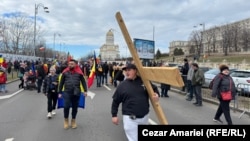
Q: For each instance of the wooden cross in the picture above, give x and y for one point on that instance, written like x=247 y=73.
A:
x=167 y=75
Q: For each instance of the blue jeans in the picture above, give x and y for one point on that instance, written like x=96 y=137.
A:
x=105 y=78
x=190 y=89
x=3 y=87
x=98 y=80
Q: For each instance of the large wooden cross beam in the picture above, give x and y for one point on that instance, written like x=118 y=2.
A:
x=167 y=75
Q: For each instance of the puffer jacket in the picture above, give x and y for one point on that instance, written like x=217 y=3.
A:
x=47 y=83
x=71 y=82
x=222 y=84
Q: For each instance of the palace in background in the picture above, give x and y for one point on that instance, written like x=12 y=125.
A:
x=233 y=37
x=109 y=51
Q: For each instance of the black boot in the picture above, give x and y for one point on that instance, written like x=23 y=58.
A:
x=195 y=103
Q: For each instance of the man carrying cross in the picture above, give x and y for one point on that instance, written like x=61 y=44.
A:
x=135 y=102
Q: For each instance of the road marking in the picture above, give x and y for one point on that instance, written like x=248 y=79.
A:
x=150 y=121
x=91 y=94
x=9 y=96
x=9 y=139
x=107 y=87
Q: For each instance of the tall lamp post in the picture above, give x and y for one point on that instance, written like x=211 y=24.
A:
x=36 y=12
x=55 y=34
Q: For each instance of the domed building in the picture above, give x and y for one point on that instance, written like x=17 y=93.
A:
x=109 y=51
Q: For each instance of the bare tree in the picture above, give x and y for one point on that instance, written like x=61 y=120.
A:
x=208 y=37
x=245 y=39
x=227 y=39
x=18 y=26
x=18 y=33
x=235 y=30
x=196 y=42
x=4 y=37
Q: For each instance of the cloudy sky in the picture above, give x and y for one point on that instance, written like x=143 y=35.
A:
x=83 y=24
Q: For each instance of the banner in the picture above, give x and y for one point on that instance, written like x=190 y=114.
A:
x=145 y=48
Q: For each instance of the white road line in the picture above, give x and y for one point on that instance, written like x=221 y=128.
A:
x=150 y=121
x=91 y=94
x=9 y=139
x=107 y=87
x=9 y=96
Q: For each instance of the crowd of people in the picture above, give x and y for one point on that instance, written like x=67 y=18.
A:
x=193 y=78
x=68 y=80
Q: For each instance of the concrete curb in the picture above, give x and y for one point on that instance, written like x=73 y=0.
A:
x=8 y=82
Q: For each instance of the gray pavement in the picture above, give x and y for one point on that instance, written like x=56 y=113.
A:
x=23 y=116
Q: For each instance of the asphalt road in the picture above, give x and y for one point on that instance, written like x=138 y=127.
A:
x=23 y=116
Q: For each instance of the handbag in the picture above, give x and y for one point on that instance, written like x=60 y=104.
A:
x=227 y=95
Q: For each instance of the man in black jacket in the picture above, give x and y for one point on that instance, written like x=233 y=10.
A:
x=40 y=76
x=71 y=81
x=184 y=72
x=135 y=102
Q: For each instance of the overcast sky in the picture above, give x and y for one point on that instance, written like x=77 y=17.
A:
x=83 y=24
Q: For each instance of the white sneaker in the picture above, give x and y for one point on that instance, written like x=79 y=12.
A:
x=53 y=112
x=49 y=115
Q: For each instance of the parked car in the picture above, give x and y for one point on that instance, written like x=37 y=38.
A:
x=210 y=74
x=241 y=79
x=205 y=69
x=174 y=65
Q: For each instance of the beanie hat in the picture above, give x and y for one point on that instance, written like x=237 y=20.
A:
x=223 y=67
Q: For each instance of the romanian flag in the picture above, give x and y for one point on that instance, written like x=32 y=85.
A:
x=92 y=73
x=42 y=48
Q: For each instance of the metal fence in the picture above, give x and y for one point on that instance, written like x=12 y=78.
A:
x=243 y=98
x=241 y=103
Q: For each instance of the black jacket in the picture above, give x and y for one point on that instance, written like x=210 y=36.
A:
x=71 y=82
x=134 y=98
x=221 y=83
x=47 y=83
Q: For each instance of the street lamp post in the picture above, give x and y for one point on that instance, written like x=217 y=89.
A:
x=55 y=34
x=202 y=36
x=36 y=12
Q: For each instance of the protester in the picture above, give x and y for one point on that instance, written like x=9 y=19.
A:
x=198 y=80
x=105 y=73
x=223 y=82
x=99 y=74
x=50 y=87
x=21 y=72
x=190 y=89
x=71 y=83
x=184 y=72
x=164 y=90
x=135 y=102
x=41 y=73
x=3 y=79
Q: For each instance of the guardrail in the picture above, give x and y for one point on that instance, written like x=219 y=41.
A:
x=240 y=104
x=243 y=97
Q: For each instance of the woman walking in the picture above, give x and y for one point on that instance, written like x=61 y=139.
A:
x=50 y=86
x=223 y=82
